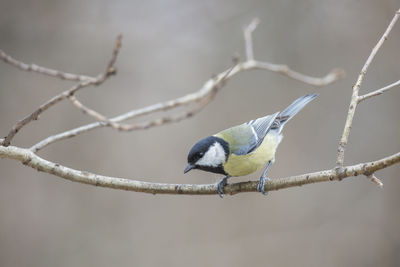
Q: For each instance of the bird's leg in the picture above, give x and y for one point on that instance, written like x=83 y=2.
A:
x=263 y=179
x=221 y=184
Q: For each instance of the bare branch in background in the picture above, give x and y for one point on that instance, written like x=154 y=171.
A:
x=110 y=70
x=378 y=92
x=197 y=97
x=35 y=115
x=331 y=77
x=248 y=38
x=355 y=99
x=43 y=70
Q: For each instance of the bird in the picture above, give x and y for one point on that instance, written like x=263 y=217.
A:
x=245 y=148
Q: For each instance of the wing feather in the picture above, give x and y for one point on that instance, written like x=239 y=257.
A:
x=261 y=127
x=245 y=138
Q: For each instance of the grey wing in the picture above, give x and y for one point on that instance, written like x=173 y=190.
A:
x=259 y=127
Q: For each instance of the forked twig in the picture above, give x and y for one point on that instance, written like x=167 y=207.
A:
x=97 y=81
x=355 y=99
x=378 y=92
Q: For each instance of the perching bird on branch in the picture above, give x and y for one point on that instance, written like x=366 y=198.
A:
x=245 y=148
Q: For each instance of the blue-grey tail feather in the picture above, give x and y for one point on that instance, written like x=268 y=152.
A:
x=292 y=110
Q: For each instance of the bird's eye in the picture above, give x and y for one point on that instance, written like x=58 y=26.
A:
x=199 y=155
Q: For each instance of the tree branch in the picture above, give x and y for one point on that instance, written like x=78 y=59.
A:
x=375 y=180
x=27 y=157
x=378 y=92
x=248 y=38
x=35 y=115
x=332 y=76
x=43 y=70
x=110 y=70
x=355 y=98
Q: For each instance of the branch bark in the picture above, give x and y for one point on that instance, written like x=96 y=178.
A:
x=355 y=99
x=43 y=70
x=378 y=92
x=28 y=158
x=110 y=70
x=248 y=38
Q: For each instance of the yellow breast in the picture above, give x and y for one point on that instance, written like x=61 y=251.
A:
x=240 y=165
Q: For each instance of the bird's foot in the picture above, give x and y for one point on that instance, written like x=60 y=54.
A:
x=261 y=183
x=220 y=186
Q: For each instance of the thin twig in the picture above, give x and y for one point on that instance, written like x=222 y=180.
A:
x=110 y=69
x=248 y=38
x=92 y=113
x=136 y=126
x=355 y=98
x=30 y=159
x=35 y=115
x=378 y=92
x=332 y=76
x=43 y=70
x=375 y=180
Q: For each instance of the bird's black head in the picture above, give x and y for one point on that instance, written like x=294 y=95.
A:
x=209 y=154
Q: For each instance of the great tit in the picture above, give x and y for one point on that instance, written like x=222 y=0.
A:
x=244 y=148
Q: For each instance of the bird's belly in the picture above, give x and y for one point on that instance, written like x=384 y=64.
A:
x=240 y=165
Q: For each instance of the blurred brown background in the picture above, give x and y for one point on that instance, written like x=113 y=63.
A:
x=170 y=48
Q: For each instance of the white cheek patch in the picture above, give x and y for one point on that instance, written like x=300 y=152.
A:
x=214 y=156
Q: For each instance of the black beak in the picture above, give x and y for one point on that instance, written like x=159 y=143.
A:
x=188 y=168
